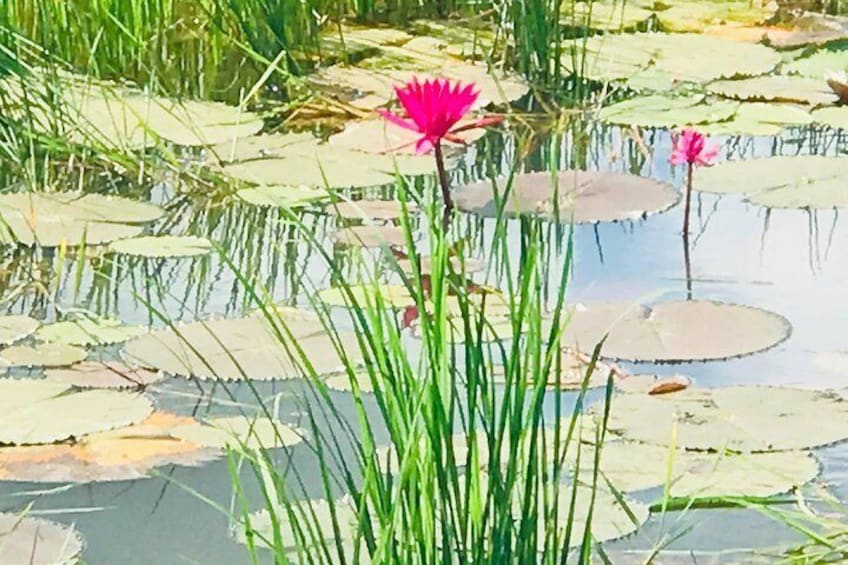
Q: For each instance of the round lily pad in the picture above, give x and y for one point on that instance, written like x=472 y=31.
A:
x=254 y=433
x=370 y=236
x=123 y=454
x=370 y=209
x=675 y=331
x=235 y=349
x=573 y=368
x=695 y=15
x=668 y=58
x=320 y=523
x=665 y=111
x=633 y=466
x=88 y=331
x=16 y=327
x=579 y=196
x=35 y=541
x=801 y=181
x=94 y=374
x=392 y=295
x=163 y=246
x=760 y=118
x=43 y=355
x=776 y=88
x=37 y=411
x=606 y=15
x=282 y=196
x=53 y=219
x=609 y=518
x=738 y=418
x=834 y=116
x=818 y=64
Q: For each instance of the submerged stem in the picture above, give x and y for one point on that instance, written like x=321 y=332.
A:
x=443 y=181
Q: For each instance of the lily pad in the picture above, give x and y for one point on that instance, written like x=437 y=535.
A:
x=380 y=136
x=579 y=196
x=739 y=418
x=37 y=411
x=16 y=327
x=606 y=15
x=777 y=37
x=93 y=374
x=86 y=331
x=817 y=65
x=370 y=209
x=674 y=331
x=660 y=111
x=465 y=265
x=370 y=236
x=392 y=295
x=574 y=366
x=344 y=383
x=162 y=246
x=760 y=118
x=254 y=433
x=282 y=196
x=670 y=58
x=633 y=466
x=610 y=519
x=122 y=454
x=835 y=117
x=695 y=15
x=33 y=541
x=53 y=219
x=43 y=355
x=800 y=181
x=249 y=347
x=814 y=92
x=319 y=521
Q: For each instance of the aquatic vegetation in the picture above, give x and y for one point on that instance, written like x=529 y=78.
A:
x=86 y=330
x=97 y=374
x=37 y=541
x=691 y=149
x=163 y=246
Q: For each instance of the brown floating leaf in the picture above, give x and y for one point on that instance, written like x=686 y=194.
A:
x=584 y=196
x=34 y=541
x=123 y=454
x=651 y=384
x=93 y=374
x=675 y=331
x=370 y=236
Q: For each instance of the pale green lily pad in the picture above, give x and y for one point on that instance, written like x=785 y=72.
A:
x=739 y=418
x=633 y=466
x=163 y=246
x=248 y=347
x=817 y=65
x=391 y=295
x=578 y=196
x=814 y=92
x=674 y=331
x=38 y=411
x=16 y=327
x=801 y=181
x=343 y=382
x=53 y=219
x=678 y=58
x=282 y=196
x=609 y=518
x=695 y=15
x=573 y=369
x=834 y=116
x=43 y=355
x=658 y=111
x=605 y=15
x=370 y=209
x=370 y=236
x=381 y=136
x=35 y=541
x=94 y=374
x=318 y=516
x=88 y=331
x=238 y=431
x=264 y=146
x=760 y=118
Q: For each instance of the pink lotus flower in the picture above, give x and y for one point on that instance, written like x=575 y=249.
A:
x=433 y=108
x=691 y=147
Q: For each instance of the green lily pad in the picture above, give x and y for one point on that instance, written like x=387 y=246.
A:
x=35 y=541
x=633 y=466
x=800 y=181
x=162 y=246
x=760 y=118
x=53 y=219
x=395 y=296
x=282 y=196
x=659 y=111
x=739 y=418
x=674 y=57
x=817 y=65
x=814 y=92
x=253 y=433
x=88 y=331
x=16 y=327
x=249 y=347
x=579 y=196
x=370 y=236
x=43 y=355
x=674 y=331
x=94 y=374
x=37 y=411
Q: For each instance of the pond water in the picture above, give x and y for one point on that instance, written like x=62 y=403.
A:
x=791 y=262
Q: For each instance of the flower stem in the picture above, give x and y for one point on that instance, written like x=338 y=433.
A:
x=688 y=199
x=443 y=181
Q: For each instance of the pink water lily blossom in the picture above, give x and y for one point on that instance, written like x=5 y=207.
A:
x=691 y=147
x=433 y=108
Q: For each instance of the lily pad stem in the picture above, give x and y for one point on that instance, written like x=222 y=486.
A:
x=443 y=181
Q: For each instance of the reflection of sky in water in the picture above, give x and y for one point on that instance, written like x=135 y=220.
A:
x=791 y=262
